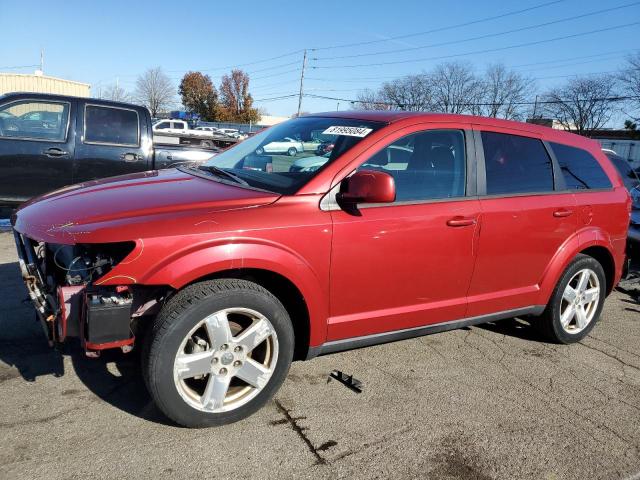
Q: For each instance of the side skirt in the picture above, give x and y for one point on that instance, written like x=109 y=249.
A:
x=395 y=335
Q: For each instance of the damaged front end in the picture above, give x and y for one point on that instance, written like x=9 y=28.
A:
x=61 y=281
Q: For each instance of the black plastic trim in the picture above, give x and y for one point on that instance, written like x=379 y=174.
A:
x=393 y=336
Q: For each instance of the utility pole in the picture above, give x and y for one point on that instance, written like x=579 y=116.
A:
x=535 y=107
x=42 y=60
x=304 y=65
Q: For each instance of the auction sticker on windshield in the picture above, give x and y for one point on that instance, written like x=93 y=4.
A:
x=348 y=131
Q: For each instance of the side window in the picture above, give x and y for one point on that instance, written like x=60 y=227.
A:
x=35 y=120
x=111 y=125
x=163 y=125
x=425 y=165
x=516 y=164
x=579 y=169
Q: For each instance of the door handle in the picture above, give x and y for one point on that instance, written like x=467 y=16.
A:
x=563 y=212
x=461 y=221
x=130 y=157
x=55 y=152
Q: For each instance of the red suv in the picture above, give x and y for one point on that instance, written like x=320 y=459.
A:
x=414 y=224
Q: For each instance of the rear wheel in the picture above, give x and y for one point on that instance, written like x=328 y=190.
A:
x=206 y=143
x=292 y=152
x=217 y=352
x=576 y=303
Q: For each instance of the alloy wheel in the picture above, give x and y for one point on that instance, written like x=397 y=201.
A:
x=226 y=360
x=580 y=301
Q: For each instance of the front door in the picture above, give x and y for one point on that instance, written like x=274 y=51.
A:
x=408 y=263
x=36 y=148
x=110 y=143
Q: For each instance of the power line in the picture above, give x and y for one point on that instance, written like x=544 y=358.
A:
x=275 y=98
x=17 y=67
x=276 y=74
x=277 y=57
x=488 y=104
x=476 y=52
x=480 y=37
x=441 y=29
x=569 y=59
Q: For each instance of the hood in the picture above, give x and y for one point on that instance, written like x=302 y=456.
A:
x=131 y=206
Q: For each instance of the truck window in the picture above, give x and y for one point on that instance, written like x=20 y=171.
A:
x=111 y=125
x=162 y=126
x=37 y=120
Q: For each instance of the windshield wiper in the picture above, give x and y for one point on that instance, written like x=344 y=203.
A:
x=223 y=173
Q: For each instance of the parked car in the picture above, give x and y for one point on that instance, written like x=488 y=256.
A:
x=49 y=141
x=224 y=275
x=285 y=145
x=632 y=183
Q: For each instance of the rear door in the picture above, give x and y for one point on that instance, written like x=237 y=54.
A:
x=524 y=223
x=36 y=147
x=110 y=142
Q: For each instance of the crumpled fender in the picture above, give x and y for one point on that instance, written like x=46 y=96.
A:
x=200 y=260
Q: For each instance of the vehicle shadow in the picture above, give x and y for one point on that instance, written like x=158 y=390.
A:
x=114 y=377
x=521 y=328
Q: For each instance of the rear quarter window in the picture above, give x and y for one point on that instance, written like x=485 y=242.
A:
x=580 y=169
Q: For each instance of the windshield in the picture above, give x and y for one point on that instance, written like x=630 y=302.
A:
x=272 y=159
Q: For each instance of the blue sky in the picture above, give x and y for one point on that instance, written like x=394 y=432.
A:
x=99 y=42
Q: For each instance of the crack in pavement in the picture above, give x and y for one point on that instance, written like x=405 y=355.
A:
x=293 y=421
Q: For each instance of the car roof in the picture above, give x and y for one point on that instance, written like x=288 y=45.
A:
x=66 y=98
x=393 y=116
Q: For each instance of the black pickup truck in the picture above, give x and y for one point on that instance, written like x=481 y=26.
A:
x=49 y=141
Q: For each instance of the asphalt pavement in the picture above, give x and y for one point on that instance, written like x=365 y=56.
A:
x=485 y=402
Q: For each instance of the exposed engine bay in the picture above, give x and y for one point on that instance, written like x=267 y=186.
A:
x=61 y=280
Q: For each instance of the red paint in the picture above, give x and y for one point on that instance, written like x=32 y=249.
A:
x=392 y=267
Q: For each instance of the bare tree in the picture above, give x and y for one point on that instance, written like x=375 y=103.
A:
x=504 y=91
x=582 y=104
x=155 y=91
x=411 y=93
x=370 y=100
x=629 y=78
x=116 y=93
x=455 y=88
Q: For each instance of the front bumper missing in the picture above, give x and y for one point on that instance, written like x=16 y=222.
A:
x=45 y=304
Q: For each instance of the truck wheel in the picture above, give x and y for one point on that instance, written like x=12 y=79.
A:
x=259 y=151
x=206 y=144
x=292 y=151
x=217 y=352
x=576 y=302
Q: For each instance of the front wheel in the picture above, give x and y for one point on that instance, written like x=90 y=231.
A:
x=218 y=352
x=576 y=302
x=292 y=151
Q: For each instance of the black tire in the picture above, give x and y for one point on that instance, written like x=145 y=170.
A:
x=259 y=151
x=176 y=319
x=549 y=322
x=206 y=143
x=292 y=152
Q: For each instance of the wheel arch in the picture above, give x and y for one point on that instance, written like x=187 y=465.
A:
x=593 y=243
x=604 y=258
x=281 y=271
x=284 y=290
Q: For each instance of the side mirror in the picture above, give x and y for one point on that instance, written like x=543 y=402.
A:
x=366 y=186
